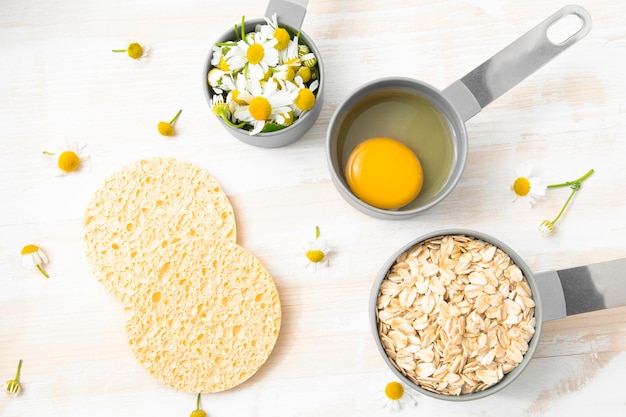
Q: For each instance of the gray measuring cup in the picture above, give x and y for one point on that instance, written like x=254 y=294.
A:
x=453 y=106
x=557 y=294
x=289 y=13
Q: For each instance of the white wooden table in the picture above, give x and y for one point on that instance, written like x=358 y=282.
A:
x=60 y=81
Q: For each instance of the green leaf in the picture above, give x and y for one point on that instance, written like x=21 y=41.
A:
x=272 y=127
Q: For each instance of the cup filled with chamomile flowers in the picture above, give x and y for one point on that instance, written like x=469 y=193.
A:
x=263 y=79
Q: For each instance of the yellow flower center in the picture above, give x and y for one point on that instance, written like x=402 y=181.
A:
x=282 y=36
x=236 y=98
x=135 y=51
x=521 y=186
x=224 y=65
x=288 y=118
x=29 y=249
x=255 y=53
x=394 y=390
x=68 y=161
x=305 y=100
x=305 y=74
x=315 y=255
x=165 y=129
x=260 y=108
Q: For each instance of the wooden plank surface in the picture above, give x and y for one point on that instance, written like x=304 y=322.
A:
x=59 y=81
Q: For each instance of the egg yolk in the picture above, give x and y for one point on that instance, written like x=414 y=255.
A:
x=384 y=173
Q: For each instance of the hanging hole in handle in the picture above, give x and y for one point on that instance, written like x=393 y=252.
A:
x=564 y=29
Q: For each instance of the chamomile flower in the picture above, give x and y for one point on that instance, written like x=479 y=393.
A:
x=219 y=60
x=33 y=258
x=317 y=251
x=266 y=104
x=527 y=189
x=221 y=109
x=306 y=56
x=256 y=75
x=272 y=30
x=167 y=129
x=547 y=227
x=259 y=54
x=135 y=51
x=68 y=158
x=396 y=396
x=304 y=98
x=220 y=81
x=239 y=94
x=12 y=386
x=198 y=412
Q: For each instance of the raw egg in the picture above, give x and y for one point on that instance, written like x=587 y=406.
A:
x=384 y=173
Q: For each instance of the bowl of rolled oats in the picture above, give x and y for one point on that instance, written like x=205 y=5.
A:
x=456 y=314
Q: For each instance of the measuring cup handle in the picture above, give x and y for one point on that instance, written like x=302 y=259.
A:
x=513 y=64
x=552 y=297
x=582 y=289
x=288 y=12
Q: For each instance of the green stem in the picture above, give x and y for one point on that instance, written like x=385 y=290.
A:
x=120 y=50
x=317 y=232
x=19 y=368
x=570 y=183
x=226 y=43
x=198 y=402
x=42 y=271
x=243 y=28
x=565 y=205
x=176 y=117
x=231 y=124
x=48 y=153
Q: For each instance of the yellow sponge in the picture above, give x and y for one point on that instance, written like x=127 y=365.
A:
x=202 y=313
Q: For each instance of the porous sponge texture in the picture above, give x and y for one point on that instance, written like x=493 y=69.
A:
x=207 y=317
x=145 y=207
x=202 y=313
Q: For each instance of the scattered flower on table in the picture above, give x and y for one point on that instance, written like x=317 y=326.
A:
x=396 y=396
x=33 y=258
x=167 y=129
x=198 y=412
x=526 y=188
x=135 y=51
x=13 y=387
x=317 y=251
x=67 y=158
x=267 y=78
x=547 y=226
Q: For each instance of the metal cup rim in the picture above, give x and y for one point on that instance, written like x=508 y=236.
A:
x=281 y=137
x=532 y=346
x=438 y=100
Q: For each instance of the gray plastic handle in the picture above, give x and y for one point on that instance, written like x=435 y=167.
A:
x=288 y=12
x=582 y=289
x=513 y=64
x=551 y=290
